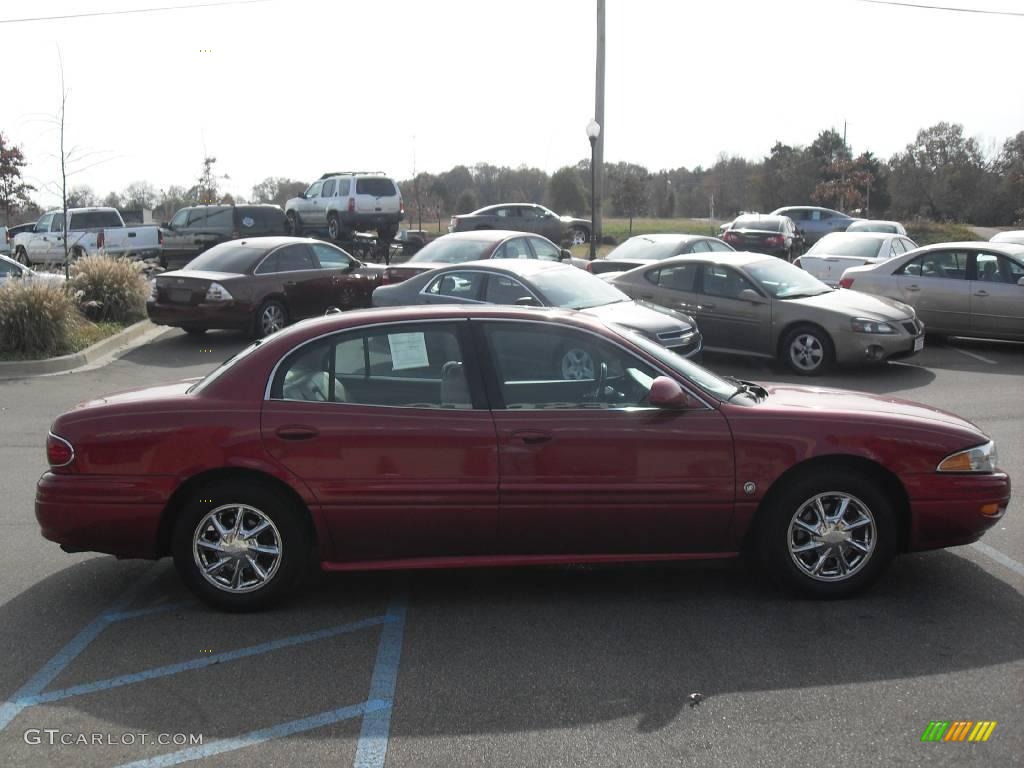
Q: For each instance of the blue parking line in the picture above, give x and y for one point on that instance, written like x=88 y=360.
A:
x=372 y=748
x=200 y=663
x=10 y=709
x=136 y=613
x=258 y=737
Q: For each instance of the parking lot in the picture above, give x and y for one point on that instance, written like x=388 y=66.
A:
x=586 y=666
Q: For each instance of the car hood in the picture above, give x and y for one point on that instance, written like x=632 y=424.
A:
x=856 y=303
x=649 y=319
x=574 y=220
x=805 y=398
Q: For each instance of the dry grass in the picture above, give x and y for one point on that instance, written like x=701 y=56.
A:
x=36 y=318
x=110 y=289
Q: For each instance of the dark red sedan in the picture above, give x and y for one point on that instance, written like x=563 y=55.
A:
x=260 y=285
x=446 y=436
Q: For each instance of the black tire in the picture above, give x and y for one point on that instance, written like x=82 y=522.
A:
x=76 y=253
x=334 y=230
x=807 y=350
x=21 y=257
x=193 y=330
x=287 y=532
x=778 y=533
x=294 y=224
x=385 y=234
x=572 y=362
x=262 y=322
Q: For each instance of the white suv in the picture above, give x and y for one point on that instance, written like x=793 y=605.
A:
x=343 y=203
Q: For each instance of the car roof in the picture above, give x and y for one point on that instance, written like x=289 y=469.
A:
x=484 y=235
x=1008 y=249
x=859 y=236
x=271 y=241
x=732 y=258
x=517 y=267
x=670 y=237
x=778 y=211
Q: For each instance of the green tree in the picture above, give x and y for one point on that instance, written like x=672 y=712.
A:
x=139 y=194
x=467 y=202
x=14 y=192
x=81 y=196
x=277 y=190
x=1010 y=168
x=565 y=192
x=629 y=190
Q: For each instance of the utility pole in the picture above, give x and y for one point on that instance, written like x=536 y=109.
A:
x=597 y=157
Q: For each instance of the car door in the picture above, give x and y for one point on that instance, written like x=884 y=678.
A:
x=463 y=286
x=349 y=289
x=935 y=284
x=177 y=251
x=997 y=301
x=726 y=320
x=308 y=290
x=389 y=428
x=38 y=245
x=586 y=467
x=673 y=286
x=311 y=207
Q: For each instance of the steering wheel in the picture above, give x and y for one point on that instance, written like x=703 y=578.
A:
x=598 y=395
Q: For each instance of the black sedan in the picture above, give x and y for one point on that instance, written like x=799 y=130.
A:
x=539 y=283
x=642 y=249
x=760 y=233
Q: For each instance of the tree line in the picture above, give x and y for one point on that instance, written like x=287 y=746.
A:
x=942 y=175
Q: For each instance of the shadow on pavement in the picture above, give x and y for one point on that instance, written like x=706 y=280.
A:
x=176 y=349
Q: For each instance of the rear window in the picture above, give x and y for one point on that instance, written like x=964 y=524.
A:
x=644 y=248
x=865 y=248
x=261 y=220
x=96 y=220
x=377 y=187
x=759 y=223
x=454 y=251
x=226 y=258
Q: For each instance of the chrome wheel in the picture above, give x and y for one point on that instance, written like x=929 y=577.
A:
x=832 y=536
x=579 y=237
x=806 y=352
x=332 y=228
x=237 y=548
x=577 y=364
x=272 y=319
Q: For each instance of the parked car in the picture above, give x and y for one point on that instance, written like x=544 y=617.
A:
x=460 y=247
x=1012 y=236
x=877 y=225
x=90 y=231
x=259 y=285
x=536 y=283
x=771 y=234
x=7 y=246
x=525 y=217
x=444 y=436
x=833 y=254
x=642 y=249
x=12 y=270
x=342 y=203
x=962 y=289
x=194 y=229
x=747 y=304
x=815 y=222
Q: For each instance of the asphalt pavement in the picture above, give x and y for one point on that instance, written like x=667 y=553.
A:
x=577 y=666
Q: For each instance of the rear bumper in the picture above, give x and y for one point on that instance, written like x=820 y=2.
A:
x=227 y=315
x=946 y=508
x=117 y=515
x=356 y=220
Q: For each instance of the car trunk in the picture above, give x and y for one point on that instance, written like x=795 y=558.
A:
x=187 y=288
x=755 y=239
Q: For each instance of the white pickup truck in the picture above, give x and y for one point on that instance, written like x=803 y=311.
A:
x=89 y=231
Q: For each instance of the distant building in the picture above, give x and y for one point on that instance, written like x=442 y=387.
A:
x=138 y=216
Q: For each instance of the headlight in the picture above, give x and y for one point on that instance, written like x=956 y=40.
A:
x=981 y=458
x=863 y=325
x=217 y=292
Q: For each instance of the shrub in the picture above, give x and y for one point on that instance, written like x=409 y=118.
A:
x=36 y=317
x=110 y=288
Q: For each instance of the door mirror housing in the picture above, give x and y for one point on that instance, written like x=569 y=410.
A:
x=749 y=294
x=1021 y=281
x=166 y=225
x=564 y=254
x=666 y=393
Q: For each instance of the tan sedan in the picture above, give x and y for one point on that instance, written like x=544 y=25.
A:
x=751 y=304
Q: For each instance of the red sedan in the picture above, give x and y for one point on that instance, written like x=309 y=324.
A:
x=447 y=436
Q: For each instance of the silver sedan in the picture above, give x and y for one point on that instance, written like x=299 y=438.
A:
x=837 y=252
x=962 y=289
x=751 y=304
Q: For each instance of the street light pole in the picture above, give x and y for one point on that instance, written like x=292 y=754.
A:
x=593 y=131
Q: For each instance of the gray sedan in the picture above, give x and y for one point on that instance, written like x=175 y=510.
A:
x=835 y=253
x=749 y=304
x=524 y=217
x=642 y=249
x=815 y=222
x=961 y=289
x=538 y=283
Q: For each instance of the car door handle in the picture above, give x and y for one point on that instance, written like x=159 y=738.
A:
x=913 y=288
x=296 y=432
x=646 y=296
x=197 y=241
x=981 y=293
x=705 y=306
x=531 y=437
x=290 y=283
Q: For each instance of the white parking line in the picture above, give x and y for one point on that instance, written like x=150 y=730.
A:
x=999 y=557
x=975 y=355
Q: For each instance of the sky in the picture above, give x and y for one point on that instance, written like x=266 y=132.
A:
x=296 y=88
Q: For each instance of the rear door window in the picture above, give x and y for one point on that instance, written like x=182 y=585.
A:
x=295 y=258
x=458 y=285
x=502 y=289
x=516 y=248
x=677 y=278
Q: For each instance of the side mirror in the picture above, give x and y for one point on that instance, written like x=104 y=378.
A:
x=1021 y=281
x=302 y=195
x=166 y=225
x=564 y=254
x=749 y=294
x=666 y=393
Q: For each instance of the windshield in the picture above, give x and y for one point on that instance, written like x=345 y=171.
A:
x=225 y=258
x=784 y=281
x=863 y=248
x=702 y=377
x=454 y=251
x=760 y=223
x=644 y=248
x=871 y=226
x=572 y=288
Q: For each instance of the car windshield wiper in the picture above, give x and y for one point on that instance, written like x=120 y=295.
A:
x=756 y=391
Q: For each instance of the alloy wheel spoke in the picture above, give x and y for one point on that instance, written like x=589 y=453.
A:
x=254 y=532
x=221 y=530
x=821 y=562
x=239 y=515
x=260 y=573
x=236 y=577
x=858 y=545
x=840 y=510
x=216 y=546
x=819 y=511
x=860 y=522
x=212 y=569
x=844 y=566
x=810 y=546
x=265 y=549
x=806 y=527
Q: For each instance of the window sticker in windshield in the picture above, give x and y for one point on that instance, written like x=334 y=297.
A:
x=408 y=350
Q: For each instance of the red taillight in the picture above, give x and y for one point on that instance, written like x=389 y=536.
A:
x=730 y=237
x=351 y=205
x=590 y=266
x=774 y=240
x=798 y=263
x=386 y=277
x=101 y=239
x=58 y=451
x=846 y=282
x=235 y=234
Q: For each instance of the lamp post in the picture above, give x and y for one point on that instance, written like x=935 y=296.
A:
x=593 y=131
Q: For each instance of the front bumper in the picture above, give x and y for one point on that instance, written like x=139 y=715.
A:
x=117 y=515
x=853 y=348
x=946 y=507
